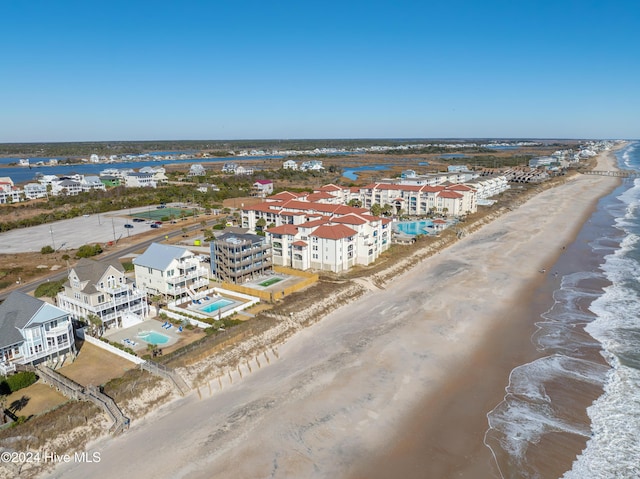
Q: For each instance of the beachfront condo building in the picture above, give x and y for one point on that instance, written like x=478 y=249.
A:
x=33 y=331
x=102 y=290
x=330 y=243
x=237 y=257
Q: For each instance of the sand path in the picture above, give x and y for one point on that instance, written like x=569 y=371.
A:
x=341 y=387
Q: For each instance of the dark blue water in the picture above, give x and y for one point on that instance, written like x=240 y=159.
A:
x=24 y=175
x=586 y=324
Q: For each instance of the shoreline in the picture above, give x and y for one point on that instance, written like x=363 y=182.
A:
x=424 y=447
x=392 y=338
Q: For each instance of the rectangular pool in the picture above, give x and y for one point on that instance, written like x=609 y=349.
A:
x=216 y=305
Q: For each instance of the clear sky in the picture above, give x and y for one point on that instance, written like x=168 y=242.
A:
x=234 y=69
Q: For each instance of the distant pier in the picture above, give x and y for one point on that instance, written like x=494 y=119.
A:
x=618 y=173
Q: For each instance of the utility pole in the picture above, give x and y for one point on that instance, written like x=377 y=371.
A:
x=52 y=240
x=114 y=231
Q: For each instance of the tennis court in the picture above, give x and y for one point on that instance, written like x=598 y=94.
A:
x=163 y=214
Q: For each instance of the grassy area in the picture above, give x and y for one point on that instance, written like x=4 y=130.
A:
x=269 y=282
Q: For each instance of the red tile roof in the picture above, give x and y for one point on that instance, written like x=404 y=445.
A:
x=450 y=194
x=329 y=187
x=263 y=182
x=265 y=207
x=320 y=196
x=349 y=220
x=283 y=195
x=299 y=243
x=334 y=232
x=314 y=223
x=283 y=230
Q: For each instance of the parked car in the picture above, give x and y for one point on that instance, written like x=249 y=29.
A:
x=153 y=225
x=138 y=220
x=128 y=225
x=157 y=222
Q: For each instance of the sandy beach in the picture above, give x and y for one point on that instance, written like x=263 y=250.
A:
x=395 y=384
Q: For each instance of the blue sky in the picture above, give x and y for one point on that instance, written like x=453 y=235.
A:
x=234 y=69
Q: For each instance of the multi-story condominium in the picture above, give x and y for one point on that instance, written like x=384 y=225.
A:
x=330 y=243
x=32 y=331
x=488 y=186
x=236 y=258
x=171 y=271
x=278 y=210
x=453 y=200
x=101 y=289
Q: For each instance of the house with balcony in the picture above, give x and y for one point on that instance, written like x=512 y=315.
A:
x=171 y=271
x=33 y=191
x=66 y=187
x=139 y=180
x=262 y=188
x=101 y=289
x=33 y=331
x=239 y=257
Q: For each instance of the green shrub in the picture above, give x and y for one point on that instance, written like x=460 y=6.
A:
x=17 y=381
x=88 y=250
x=47 y=250
x=128 y=266
x=49 y=289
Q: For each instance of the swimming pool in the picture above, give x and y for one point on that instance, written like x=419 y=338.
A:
x=216 y=305
x=415 y=227
x=152 y=337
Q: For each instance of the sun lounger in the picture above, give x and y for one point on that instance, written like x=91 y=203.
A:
x=179 y=330
x=169 y=326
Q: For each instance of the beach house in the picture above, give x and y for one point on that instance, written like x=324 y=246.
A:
x=32 y=331
x=262 y=188
x=289 y=165
x=101 y=289
x=170 y=271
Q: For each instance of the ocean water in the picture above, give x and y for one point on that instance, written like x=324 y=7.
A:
x=585 y=387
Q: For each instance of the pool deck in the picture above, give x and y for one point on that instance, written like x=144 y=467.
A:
x=118 y=335
x=235 y=302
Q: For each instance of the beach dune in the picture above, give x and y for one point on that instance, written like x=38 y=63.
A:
x=356 y=394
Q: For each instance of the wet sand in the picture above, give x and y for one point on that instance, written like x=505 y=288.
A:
x=396 y=384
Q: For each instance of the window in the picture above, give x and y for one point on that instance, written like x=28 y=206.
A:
x=101 y=298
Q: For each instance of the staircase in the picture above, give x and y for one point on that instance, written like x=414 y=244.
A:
x=167 y=373
x=73 y=390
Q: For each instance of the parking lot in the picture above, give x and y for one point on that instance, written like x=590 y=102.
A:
x=75 y=232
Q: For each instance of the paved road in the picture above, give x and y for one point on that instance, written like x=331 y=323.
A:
x=27 y=287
